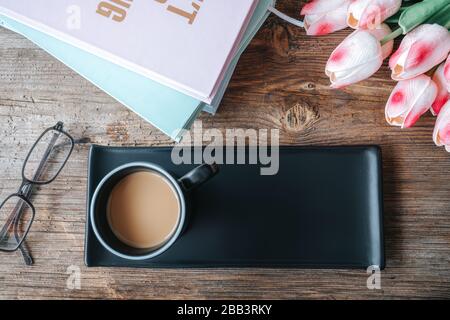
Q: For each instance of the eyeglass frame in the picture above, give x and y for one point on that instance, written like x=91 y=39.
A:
x=22 y=192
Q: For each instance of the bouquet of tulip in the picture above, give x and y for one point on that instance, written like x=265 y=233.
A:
x=421 y=65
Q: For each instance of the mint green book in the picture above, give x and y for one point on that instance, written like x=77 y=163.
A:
x=170 y=111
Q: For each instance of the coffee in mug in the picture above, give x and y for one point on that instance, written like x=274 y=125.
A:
x=139 y=210
x=143 y=210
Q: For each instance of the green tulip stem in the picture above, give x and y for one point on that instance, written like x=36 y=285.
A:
x=392 y=36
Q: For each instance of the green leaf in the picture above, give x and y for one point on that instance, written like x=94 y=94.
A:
x=442 y=17
x=422 y=12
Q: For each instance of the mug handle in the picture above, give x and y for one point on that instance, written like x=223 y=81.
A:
x=198 y=176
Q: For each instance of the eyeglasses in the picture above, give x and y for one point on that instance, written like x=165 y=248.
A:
x=45 y=160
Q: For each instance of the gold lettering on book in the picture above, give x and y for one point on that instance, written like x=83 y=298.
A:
x=117 y=9
x=190 y=16
x=114 y=9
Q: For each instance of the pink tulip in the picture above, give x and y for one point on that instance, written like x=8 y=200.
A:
x=358 y=57
x=421 y=50
x=441 y=134
x=368 y=14
x=443 y=95
x=409 y=100
x=325 y=16
x=447 y=73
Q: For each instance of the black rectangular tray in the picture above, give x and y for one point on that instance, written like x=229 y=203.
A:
x=322 y=210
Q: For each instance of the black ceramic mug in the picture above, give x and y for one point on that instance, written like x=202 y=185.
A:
x=182 y=186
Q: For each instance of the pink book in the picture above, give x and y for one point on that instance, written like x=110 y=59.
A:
x=184 y=44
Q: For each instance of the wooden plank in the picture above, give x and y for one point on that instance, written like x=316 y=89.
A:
x=287 y=90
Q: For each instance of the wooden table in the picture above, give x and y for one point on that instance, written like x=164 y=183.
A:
x=280 y=83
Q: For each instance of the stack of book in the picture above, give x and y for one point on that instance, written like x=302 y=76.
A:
x=166 y=60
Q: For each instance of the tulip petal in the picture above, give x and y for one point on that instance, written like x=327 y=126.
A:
x=447 y=148
x=401 y=53
x=320 y=7
x=447 y=73
x=380 y=32
x=368 y=14
x=322 y=24
x=421 y=50
x=443 y=95
x=358 y=57
x=441 y=133
x=409 y=100
x=444 y=135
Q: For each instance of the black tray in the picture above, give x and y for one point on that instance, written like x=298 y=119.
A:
x=322 y=210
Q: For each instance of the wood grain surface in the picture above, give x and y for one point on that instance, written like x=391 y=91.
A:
x=279 y=83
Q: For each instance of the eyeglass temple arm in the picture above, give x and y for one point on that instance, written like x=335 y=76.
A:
x=44 y=160
x=25 y=252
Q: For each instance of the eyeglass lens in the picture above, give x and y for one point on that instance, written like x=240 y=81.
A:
x=16 y=216
x=47 y=157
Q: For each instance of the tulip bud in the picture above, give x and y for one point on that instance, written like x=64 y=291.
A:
x=410 y=100
x=441 y=134
x=325 y=16
x=421 y=50
x=443 y=95
x=358 y=57
x=368 y=14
